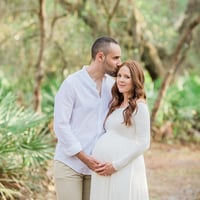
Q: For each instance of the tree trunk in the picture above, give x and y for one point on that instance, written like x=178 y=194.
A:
x=178 y=56
x=39 y=65
x=148 y=52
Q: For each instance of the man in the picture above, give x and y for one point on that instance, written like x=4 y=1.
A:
x=81 y=105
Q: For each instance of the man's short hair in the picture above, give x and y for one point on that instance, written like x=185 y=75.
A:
x=102 y=44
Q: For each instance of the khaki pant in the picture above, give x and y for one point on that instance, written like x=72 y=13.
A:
x=69 y=184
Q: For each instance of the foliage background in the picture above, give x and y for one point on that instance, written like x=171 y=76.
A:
x=36 y=59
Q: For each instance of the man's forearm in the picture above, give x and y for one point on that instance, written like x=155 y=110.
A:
x=91 y=162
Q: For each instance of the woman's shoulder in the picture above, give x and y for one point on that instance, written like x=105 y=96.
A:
x=142 y=105
x=141 y=101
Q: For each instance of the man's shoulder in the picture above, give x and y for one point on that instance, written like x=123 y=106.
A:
x=74 y=75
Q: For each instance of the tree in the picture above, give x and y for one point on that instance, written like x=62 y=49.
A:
x=39 y=64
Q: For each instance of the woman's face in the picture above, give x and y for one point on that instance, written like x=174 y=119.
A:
x=124 y=80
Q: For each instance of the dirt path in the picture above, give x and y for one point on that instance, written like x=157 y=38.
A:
x=173 y=172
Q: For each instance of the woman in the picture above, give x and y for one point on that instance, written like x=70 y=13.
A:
x=122 y=175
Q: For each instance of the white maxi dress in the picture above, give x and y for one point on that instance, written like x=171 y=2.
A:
x=124 y=147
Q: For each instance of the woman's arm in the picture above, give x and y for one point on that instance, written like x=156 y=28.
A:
x=141 y=123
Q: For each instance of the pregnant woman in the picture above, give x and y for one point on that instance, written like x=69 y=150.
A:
x=122 y=174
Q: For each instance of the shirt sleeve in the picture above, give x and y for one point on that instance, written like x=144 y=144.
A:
x=63 y=108
x=141 y=123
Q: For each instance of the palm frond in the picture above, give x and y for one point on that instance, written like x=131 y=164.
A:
x=25 y=145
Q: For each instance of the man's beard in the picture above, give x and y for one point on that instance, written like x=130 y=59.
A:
x=112 y=73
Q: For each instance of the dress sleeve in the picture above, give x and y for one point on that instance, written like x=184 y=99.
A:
x=141 y=123
x=63 y=108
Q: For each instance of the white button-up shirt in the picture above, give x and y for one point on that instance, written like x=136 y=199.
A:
x=79 y=114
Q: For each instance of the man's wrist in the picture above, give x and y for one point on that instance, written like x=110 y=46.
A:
x=82 y=156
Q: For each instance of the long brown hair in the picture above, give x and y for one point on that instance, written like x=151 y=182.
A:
x=137 y=77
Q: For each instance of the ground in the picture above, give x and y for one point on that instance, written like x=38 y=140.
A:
x=173 y=173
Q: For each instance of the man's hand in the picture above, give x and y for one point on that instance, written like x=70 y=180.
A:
x=105 y=169
x=91 y=162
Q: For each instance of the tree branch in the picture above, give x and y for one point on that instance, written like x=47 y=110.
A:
x=110 y=14
x=177 y=58
x=54 y=20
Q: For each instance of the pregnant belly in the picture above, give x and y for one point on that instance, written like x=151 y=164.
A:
x=111 y=146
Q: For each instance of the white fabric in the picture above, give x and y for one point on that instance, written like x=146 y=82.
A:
x=124 y=147
x=79 y=114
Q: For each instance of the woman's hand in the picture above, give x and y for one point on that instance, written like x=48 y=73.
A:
x=105 y=169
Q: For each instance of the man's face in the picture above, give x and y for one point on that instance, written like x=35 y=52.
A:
x=112 y=60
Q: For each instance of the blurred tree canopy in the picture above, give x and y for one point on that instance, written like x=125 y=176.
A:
x=43 y=41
